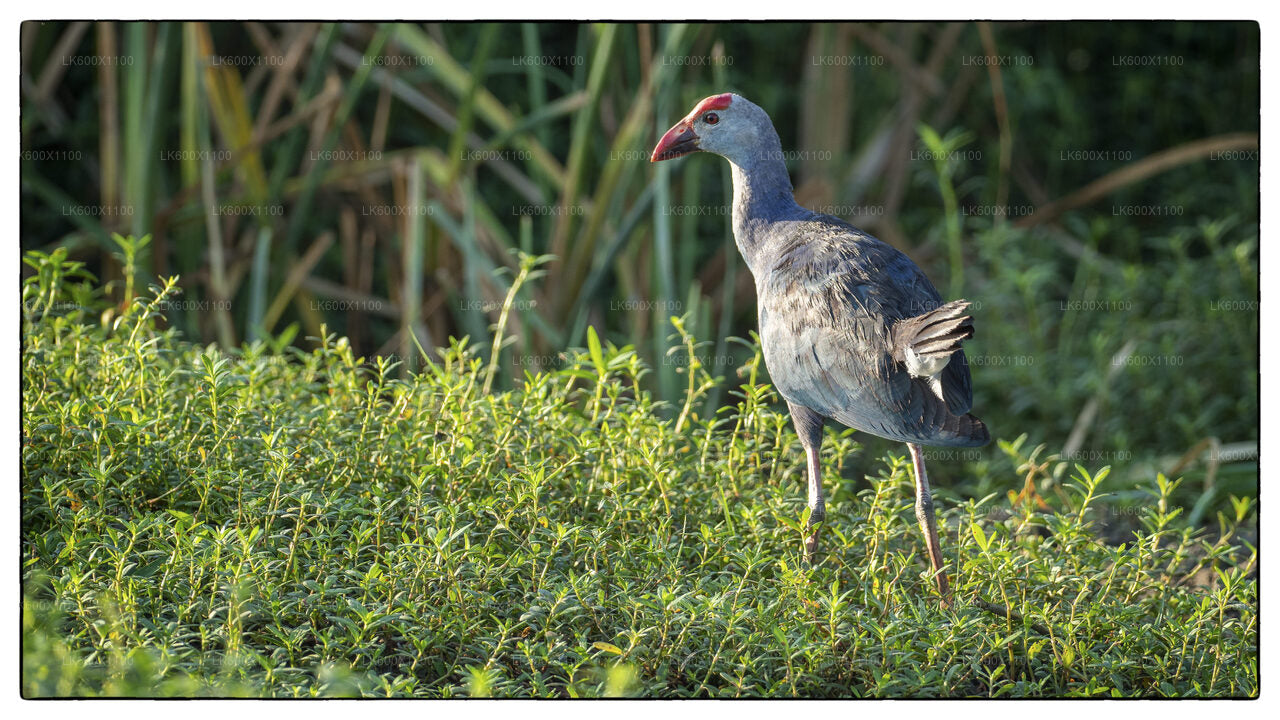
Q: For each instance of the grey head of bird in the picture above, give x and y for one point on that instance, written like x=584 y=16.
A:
x=727 y=125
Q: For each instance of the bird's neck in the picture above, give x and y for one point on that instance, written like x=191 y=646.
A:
x=762 y=195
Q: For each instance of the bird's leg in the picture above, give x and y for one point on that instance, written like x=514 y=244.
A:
x=809 y=427
x=817 y=504
x=924 y=514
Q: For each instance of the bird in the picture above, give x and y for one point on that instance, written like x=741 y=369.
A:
x=850 y=328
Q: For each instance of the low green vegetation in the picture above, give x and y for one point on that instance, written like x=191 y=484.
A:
x=278 y=522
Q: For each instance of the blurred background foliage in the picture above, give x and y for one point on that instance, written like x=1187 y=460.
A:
x=1094 y=191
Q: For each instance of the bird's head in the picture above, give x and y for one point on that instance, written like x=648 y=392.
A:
x=728 y=125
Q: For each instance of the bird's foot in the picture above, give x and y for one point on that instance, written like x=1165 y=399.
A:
x=944 y=589
x=939 y=574
x=936 y=561
x=811 y=546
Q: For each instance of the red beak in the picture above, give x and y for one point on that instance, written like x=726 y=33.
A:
x=679 y=140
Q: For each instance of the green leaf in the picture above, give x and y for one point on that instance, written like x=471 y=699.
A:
x=593 y=346
x=607 y=647
x=979 y=537
x=150 y=568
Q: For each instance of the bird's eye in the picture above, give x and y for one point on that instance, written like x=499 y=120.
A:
x=711 y=118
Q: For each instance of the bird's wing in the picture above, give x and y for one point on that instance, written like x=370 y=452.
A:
x=827 y=309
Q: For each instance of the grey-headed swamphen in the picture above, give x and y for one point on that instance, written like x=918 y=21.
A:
x=851 y=329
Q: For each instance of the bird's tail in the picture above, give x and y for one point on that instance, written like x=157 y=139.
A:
x=935 y=335
x=925 y=344
x=971 y=432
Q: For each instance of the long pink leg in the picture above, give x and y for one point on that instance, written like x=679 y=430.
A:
x=924 y=514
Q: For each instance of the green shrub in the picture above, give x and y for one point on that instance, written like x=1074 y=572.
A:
x=273 y=522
